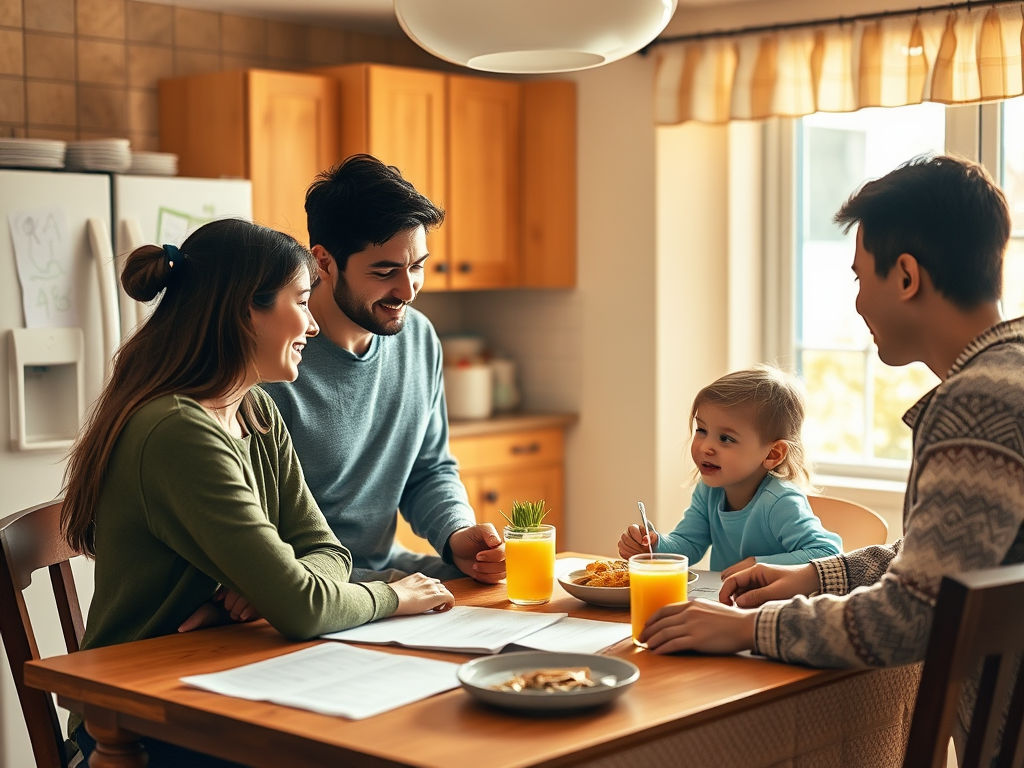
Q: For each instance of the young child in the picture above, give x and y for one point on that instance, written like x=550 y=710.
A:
x=749 y=505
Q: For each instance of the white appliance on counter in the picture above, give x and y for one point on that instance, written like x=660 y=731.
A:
x=49 y=376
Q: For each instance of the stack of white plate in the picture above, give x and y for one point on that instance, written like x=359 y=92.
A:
x=99 y=155
x=32 y=153
x=154 y=164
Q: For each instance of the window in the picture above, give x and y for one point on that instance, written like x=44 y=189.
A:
x=855 y=402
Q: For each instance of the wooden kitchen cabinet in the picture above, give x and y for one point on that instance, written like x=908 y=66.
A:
x=497 y=469
x=278 y=129
x=399 y=115
x=498 y=155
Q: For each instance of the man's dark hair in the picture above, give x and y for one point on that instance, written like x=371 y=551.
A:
x=364 y=202
x=944 y=211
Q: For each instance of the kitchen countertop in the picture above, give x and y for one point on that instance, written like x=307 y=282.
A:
x=509 y=422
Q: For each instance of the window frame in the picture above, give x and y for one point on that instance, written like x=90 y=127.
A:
x=972 y=131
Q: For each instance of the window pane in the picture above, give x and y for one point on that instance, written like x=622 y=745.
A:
x=1013 y=186
x=896 y=389
x=834 y=425
x=847 y=422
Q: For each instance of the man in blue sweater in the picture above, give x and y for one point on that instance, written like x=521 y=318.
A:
x=367 y=413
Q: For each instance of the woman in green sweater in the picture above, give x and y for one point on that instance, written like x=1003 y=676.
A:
x=184 y=486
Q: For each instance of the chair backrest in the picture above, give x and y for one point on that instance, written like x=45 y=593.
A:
x=31 y=539
x=858 y=525
x=978 y=622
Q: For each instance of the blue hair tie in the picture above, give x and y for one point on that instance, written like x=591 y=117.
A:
x=172 y=254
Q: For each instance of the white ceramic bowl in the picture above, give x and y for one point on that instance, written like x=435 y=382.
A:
x=614 y=676
x=608 y=597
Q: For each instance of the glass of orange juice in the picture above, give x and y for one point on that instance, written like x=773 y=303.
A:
x=655 y=580
x=530 y=564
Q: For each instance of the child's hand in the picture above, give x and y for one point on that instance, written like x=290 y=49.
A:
x=742 y=565
x=633 y=542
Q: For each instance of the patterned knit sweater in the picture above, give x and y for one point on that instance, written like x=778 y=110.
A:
x=963 y=511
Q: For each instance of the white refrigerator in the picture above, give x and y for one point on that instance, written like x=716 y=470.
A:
x=63 y=238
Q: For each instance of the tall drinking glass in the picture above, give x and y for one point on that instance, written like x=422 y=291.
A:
x=655 y=580
x=530 y=564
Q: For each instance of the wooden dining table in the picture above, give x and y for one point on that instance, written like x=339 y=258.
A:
x=686 y=704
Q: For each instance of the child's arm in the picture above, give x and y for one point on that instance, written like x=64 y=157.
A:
x=799 y=533
x=632 y=541
x=692 y=536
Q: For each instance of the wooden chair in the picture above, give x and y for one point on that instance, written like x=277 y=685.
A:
x=858 y=525
x=978 y=618
x=31 y=539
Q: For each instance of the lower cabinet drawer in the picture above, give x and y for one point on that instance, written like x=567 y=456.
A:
x=509 y=450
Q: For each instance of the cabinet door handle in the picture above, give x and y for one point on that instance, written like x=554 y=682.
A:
x=523 y=450
x=491 y=497
x=465 y=267
x=441 y=267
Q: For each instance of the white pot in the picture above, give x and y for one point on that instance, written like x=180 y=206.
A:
x=469 y=391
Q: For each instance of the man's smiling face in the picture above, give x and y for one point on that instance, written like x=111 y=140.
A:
x=381 y=280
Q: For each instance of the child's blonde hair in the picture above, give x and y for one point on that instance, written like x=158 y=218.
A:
x=778 y=415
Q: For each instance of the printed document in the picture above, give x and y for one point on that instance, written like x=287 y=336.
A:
x=464 y=628
x=577 y=636
x=708 y=585
x=335 y=679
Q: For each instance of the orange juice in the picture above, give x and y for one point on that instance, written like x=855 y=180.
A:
x=654 y=582
x=530 y=565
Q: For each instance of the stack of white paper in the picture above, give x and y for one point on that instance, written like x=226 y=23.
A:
x=487 y=630
x=335 y=680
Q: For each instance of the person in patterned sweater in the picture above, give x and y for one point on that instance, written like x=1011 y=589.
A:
x=929 y=257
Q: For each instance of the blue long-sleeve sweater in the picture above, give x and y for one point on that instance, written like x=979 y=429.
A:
x=777 y=526
x=371 y=432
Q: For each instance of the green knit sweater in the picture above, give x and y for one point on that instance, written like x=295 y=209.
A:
x=185 y=507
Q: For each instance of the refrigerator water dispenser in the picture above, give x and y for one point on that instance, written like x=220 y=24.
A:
x=47 y=387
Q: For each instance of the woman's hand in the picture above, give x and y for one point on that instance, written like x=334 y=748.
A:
x=418 y=594
x=225 y=605
x=699 y=625
x=757 y=585
x=634 y=541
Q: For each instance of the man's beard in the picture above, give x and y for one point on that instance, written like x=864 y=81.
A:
x=362 y=314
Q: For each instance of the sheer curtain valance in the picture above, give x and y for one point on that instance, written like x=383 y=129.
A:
x=953 y=57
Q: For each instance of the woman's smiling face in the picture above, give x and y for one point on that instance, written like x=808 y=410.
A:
x=282 y=330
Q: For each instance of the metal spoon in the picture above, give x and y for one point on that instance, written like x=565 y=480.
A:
x=647 y=527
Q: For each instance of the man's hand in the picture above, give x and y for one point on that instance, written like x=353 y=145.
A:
x=479 y=552
x=757 y=585
x=419 y=594
x=699 y=625
x=742 y=565
x=223 y=607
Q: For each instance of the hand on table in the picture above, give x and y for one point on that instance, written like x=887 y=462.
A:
x=699 y=625
x=418 y=594
x=224 y=605
x=479 y=552
x=742 y=565
x=757 y=585
x=634 y=541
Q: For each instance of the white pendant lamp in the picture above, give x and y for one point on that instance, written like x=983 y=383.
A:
x=524 y=36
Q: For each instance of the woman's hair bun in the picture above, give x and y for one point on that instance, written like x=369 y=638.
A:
x=146 y=272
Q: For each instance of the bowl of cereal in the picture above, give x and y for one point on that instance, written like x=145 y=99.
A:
x=603 y=582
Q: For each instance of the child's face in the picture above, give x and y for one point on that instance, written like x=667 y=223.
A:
x=727 y=449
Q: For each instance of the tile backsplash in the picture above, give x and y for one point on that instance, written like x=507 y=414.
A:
x=84 y=69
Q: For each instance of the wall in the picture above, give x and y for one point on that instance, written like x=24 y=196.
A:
x=84 y=69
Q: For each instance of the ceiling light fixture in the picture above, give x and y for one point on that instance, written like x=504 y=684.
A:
x=530 y=36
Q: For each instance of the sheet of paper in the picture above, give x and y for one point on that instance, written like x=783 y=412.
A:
x=708 y=585
x=335 y=679
x=576 y=636
x=463 y=628
x=43 y=253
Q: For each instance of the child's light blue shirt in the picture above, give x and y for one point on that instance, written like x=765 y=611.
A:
x=777 y=526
